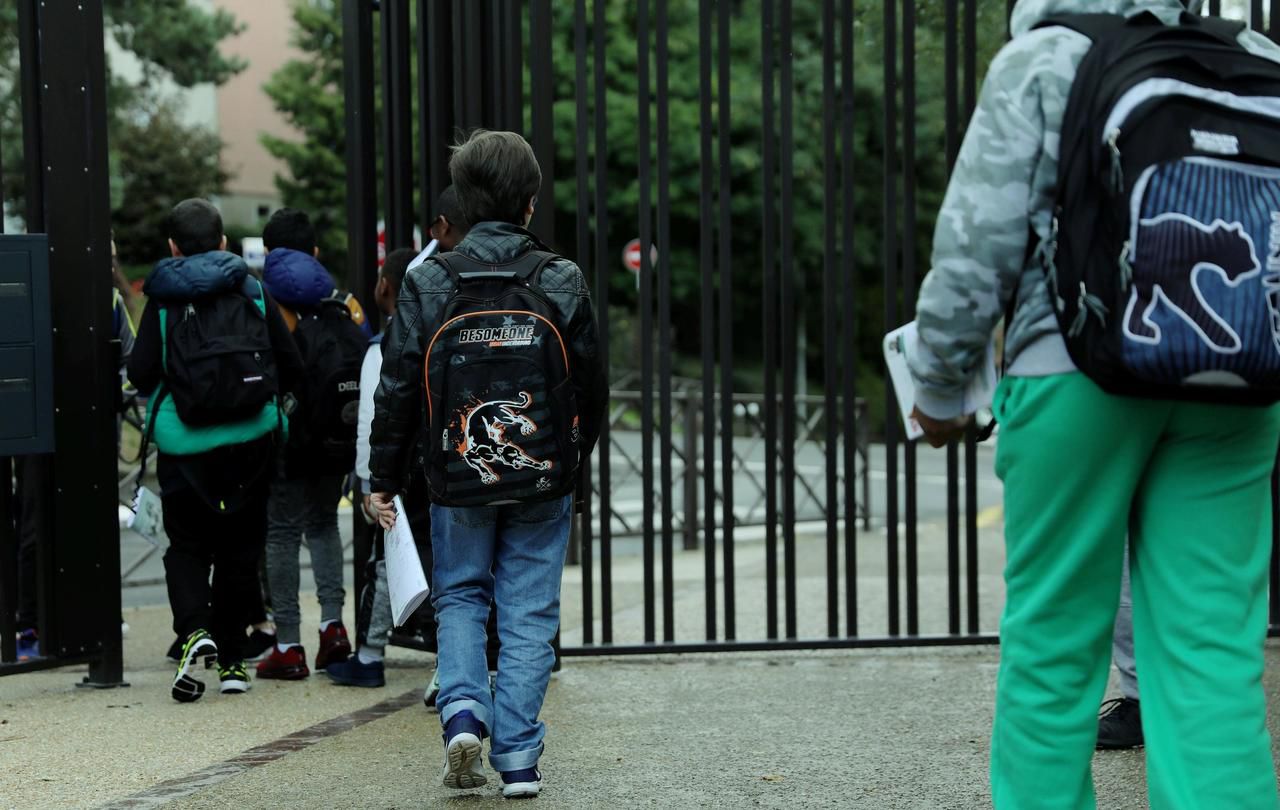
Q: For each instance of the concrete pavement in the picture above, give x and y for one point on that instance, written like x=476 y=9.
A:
x=876 y=728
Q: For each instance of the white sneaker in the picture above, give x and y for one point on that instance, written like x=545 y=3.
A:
x=527 y=784
x=462 y=767
x=432 y=692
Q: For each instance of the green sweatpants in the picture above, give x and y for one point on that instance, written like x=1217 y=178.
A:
x=1191 y=483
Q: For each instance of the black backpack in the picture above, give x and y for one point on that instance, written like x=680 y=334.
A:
x=1164 y=261
x=333 y=349
x=502 y=415
x=218 y=361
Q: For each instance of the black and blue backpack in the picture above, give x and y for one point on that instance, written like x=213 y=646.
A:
x=502 y=414
x=1164 y=258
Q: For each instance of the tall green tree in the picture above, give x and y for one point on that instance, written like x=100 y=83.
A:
x=160 y=163
x=308 y=93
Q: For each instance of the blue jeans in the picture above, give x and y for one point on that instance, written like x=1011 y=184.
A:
x=512 y=555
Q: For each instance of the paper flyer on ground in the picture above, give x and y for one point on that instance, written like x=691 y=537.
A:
x=898 y=345
x=406 y=583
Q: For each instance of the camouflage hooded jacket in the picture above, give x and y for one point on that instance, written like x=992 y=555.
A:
x=1004 y=180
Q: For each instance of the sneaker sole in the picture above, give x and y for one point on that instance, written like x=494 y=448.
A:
x=521 y=790
x=235 y=687
x=285 y=675
x=463 y=752
x=186 y=689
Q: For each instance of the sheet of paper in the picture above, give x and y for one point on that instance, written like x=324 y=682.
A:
x=148 y=517
x=431 y=247
x=406 y=582
x=899 y=344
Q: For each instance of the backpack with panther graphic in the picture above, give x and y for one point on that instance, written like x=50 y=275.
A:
x=502 y=415
x=1164 y=258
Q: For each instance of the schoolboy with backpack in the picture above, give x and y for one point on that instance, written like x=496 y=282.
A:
x=331 y=335
x=217 y=362
x=1119 y=192
x=494 y=349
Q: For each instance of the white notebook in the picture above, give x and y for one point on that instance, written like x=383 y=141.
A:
x=898 y=345
x=406 y=582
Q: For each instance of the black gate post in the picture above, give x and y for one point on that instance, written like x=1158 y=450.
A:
x=362 y=205
x=81 y=576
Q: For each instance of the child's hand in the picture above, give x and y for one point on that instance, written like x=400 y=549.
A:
x=383 y=504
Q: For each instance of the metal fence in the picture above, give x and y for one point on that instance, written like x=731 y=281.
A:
x=777 y=508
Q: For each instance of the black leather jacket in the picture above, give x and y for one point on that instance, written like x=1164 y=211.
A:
x=399 y=405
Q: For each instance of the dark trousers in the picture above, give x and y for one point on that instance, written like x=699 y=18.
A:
x=230 y=544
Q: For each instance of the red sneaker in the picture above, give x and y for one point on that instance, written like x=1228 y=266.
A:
x=334 y=646
x=290 y=665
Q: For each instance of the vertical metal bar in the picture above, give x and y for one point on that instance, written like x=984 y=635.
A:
x=725 y=201
x=970 y=440
x=32 y=144
x=397 y=106
x=788 y=316
x=645 y=179
x=706 y=226
x=1215 y=8
x=435 y=105
x=663 y=60
x=830 y=324
x=1256 y=19
x=581 y=126
x=514 y=48
x=497 y=64
x=8 y=556
x=361 y=181
x=362 y=193
x=970 y=57
x=951 y=61
x=849 y=280
x=603 y=276
x=85 y=543
x=769 y=231
x=890 y=229
x=471 y=19
x=909 y=292
x=542 y=88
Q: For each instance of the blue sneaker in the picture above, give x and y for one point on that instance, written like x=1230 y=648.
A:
x=462 y=767
x=352 y=672
x=28 y=645
x=522 y=784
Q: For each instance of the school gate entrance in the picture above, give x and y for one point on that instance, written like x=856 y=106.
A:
x=784 y=163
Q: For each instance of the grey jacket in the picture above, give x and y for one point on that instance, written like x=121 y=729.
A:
x=1004 y=180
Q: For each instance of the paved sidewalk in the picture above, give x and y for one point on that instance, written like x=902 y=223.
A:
x=877 y=728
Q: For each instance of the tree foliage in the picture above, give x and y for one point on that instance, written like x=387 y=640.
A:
x=172 y=39
x=161 y=163
x=745 y=143
x=308 y=93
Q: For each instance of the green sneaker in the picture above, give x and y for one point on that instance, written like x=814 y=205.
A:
x=235 y=679
x=198 y=646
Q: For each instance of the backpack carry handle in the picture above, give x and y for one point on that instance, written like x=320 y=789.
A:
x=528 y=266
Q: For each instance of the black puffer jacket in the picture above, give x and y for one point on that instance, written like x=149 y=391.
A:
x=399 y=405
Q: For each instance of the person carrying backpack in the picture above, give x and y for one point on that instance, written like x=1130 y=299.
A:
x=216 y=360
x=1118 y=191
x=332 y=338
x=494 y=348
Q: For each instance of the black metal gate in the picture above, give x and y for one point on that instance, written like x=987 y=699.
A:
x=737 y=499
